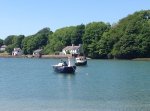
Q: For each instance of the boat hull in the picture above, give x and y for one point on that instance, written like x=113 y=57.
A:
x=81 y=63
x=64 y=69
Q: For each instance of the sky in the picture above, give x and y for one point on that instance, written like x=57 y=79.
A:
x=27 y=17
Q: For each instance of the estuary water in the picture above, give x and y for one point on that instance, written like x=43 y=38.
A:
x=102 y=85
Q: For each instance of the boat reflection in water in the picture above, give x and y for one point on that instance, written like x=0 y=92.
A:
x=64 y=67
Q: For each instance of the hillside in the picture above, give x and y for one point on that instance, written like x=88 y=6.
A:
x=127 y=39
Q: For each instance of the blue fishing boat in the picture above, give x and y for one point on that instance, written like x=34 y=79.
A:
x=63 y=67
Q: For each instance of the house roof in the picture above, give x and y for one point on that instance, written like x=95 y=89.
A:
x=37 y=51
x=71 y=48
x=17 y=49
x=3 y=46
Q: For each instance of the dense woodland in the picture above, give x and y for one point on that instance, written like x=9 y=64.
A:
x=127 y=39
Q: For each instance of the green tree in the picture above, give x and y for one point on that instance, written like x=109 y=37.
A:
x=126 y=48
x=1 y=42
x=17 y=40
x=36 y=41
x=25 y=44
x=60 y=38
x=10 y=48
x=76 y=39
x=135 y=36
x=93 y=34
x=9 y=40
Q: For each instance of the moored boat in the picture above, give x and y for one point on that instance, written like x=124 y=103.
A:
x=63 y=67
x=80 y=61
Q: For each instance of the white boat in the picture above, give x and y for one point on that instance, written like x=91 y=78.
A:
x=80 y=61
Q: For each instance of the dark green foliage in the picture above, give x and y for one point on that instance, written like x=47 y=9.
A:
x=76 y=39
x=135 y=36
x=37 y=41
x=93 y=34
x=64 y=37
x=108 y=40
x=18 y=41
x=9 y=40
x=10 y=48
x=13 y=41
x=1 y=42
x=126 y=48
x=128 y=39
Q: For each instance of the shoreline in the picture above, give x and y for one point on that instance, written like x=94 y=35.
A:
x=30 y=56
x=141 y=59
x=64 y=56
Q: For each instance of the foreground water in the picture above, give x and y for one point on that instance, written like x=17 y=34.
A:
x=103 y=85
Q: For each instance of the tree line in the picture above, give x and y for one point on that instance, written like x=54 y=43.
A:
x=127 y=39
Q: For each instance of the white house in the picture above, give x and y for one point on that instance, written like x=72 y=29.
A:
x=3 y=48
x=37 y=53
x=17 y=52
x=73 y=49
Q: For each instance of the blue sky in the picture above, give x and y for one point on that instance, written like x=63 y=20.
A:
x=29 y=16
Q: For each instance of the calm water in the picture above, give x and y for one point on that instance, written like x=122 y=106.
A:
x=103 y=85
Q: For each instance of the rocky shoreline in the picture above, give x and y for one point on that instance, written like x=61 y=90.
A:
x=30 y=56
x=56 y=56
x=142 y=59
